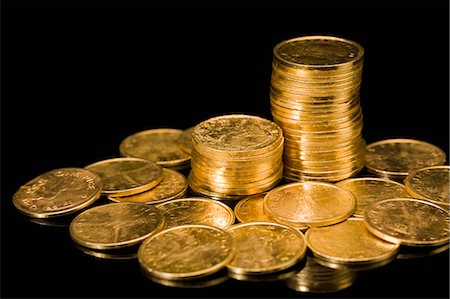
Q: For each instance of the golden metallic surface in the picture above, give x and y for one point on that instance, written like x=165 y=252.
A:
x=115 y=225
x=185 y=140
x=186 y=252
x=397 y=157
x=196 y=210
x=409 y=252
x=265 y=247
x=350 y=244
x=368 y=190
x=236 y=134
x=173 y=185
x=431 y=184
x=250 y=209
x=127 y=176
x=315 y=278
x=157 y=145
x=318 y=52
x=58 y=192
x=309 y=203
x=408 y=221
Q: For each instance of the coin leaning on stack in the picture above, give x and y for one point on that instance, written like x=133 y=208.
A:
x=314 y=98
x=235 y=155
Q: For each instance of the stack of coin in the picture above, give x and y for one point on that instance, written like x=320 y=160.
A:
x=235 y=155
x=314 y=97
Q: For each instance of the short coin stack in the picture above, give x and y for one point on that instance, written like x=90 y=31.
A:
x=235 y=155
x=314 y=97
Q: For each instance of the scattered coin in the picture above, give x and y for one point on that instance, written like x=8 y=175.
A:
x=265 y=247
x=196 y=210
x=396 y=158
x=157 y=145
x=431 y=184
x=172 y=186
x=115 y=225
x=309 y=204
x=251 y=209
x=58 y=192
x=186 y=252
x=368 y=190
x=349 y=244
x=408 y=221
x=127 y=176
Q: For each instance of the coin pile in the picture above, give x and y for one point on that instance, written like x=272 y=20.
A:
x=235 y=155
x=314 y=97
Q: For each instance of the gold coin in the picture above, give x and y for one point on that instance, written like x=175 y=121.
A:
x=58 y=192
x=318 y=52
x=309 y=203
x=397 y=157
x=250 y=209
x=236 y=135
x=431 y=184
x=186 y=252
x=195 y=210
x=265 y=247
x=115 y=225
x=368 y=190
x=408 y=221
x=316 y=278
x=185 y=140
x=158 y=145
x=127 y=176
x=173 y=185
x=349 y=244
x=275 y=276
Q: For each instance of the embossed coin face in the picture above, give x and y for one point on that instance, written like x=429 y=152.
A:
x=309 y=203
x=408 y=221
x=173 y=185
x=127 y=176
x=316 y=51
x=368 y=190
x=350 y=244
x=250 y=209
x=431 y=184
x=186 y=252
x=115 y=225
x=58 y=192
x=196 y=210
x=397 y=157
x=264 y=247
x=237 y=134
x=158 y=145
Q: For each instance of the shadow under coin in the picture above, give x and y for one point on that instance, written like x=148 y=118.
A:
x=113 y=254
x=197 y=283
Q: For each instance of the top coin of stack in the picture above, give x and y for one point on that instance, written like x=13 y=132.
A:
x=235 y=155
x=314 y=97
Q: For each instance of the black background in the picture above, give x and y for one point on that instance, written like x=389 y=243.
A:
x=77 y=78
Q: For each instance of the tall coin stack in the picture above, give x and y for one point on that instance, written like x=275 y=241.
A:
x=235 y=155
x=314 y=98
